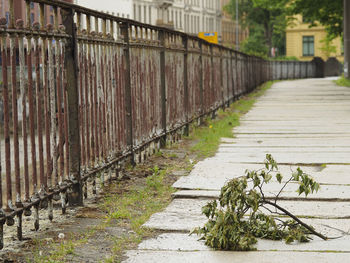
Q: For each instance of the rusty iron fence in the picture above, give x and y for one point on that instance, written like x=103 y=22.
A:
x=78 y=98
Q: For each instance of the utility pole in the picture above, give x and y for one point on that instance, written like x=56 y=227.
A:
x=237 y=27
x=346 y=38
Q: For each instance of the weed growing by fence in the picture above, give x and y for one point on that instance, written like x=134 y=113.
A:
x=243 y=213
x=342 y=81
x=208 y=136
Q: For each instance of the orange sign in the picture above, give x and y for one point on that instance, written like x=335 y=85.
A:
x=211 y=37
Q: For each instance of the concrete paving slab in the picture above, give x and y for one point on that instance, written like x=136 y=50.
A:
x=285 y=142
x=286 y=158
x=289 y=123
x=139 y=256
x=234 y=149
x=325 y=193
x=295 y=136
x=211 y=174
x=272 y=125
x=317 y=208
x=186 y=242
x=289 y=131
x=186 y=214
x=199 y=194
x=169 y=221
x=302 y=126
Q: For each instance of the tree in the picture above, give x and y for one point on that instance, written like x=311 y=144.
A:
x=328 y=48
x=266 y=21
x=255 y=43
x=328 y=13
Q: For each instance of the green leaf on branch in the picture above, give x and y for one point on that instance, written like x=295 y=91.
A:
x=279 y=177
x=239 y=221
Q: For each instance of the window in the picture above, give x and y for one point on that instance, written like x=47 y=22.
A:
x=140 y=14
x=150 y=14
x=32 y=5
x=180 y=19
x=31 y=18
x=51 y=20
x=134 y=12
x=7 y=17
x=308 y=46
x=176 y=20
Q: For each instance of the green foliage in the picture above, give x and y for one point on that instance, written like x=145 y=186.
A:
x=266 y=20
x=342 y=81
x=155 y=181
x=327 y=12
x=236 y=220
x=208 y=136
x=327 y=46
x=255 y=44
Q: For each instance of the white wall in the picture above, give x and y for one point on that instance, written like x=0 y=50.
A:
x=121 y=7
x=190 y=16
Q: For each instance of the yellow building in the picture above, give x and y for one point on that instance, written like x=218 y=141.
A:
x=305 y=43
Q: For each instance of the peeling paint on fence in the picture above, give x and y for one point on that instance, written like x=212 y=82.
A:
x=132 y=87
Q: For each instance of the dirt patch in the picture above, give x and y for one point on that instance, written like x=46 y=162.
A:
x=85 y=235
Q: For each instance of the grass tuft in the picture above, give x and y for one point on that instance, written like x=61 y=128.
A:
x=208 y=136
x=342 y=81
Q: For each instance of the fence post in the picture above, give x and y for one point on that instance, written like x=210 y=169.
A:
x=222 y=79
x=212 y=91
x=201 y=94
x=186 y=101
x=75 y=198
x=124 y=29
x=232 y=77
x=346 y=38
x=228 y=75
x=161 y=36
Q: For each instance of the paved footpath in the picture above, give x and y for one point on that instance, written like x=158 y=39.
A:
x=302 y=123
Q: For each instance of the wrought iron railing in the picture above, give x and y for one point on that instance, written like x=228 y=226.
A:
x=81 y=96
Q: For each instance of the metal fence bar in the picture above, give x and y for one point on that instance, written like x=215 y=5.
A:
x=71 y=65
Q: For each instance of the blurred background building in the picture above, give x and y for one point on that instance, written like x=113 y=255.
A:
x=20 y=11
x=305 y=42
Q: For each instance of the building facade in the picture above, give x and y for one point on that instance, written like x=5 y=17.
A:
x=190 y=16
x=20 y=11
x=305 y=43
x=121 y=8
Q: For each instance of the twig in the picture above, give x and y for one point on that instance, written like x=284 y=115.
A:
x=345 y=233
x=261 y=192
x=296 y=219
x=282 y=189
